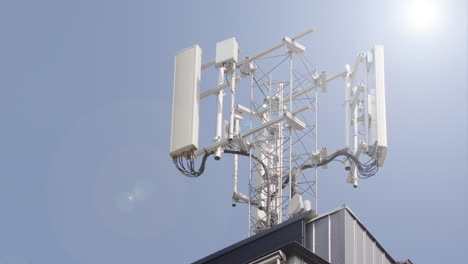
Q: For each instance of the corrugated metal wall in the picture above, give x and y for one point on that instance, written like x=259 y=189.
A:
x=340 y=239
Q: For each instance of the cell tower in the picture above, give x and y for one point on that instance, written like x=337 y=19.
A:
x=276 y=92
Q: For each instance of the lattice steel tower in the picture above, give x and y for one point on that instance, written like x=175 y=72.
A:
x=278 y=105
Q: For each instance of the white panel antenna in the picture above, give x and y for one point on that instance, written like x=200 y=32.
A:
x=227 y=51
x=185 y=102
x=379 y=123
x=281 y=142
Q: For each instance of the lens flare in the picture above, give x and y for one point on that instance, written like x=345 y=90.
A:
x=422 y=15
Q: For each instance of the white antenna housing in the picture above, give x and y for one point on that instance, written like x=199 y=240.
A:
x=227 y=51
x=296 y=205
x=185 y=101
x=377 y=104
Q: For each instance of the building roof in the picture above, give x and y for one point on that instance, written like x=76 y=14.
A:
x=336 y=236
x=290 y=231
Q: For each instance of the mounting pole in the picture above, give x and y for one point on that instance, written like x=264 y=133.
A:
x=366 y=99
x=291 y=180
x=347 y=122
x=236 y=161
x=355 y=136
x=250 y=158
x=219 y=113
x=232 y=85
x=280 y=152
x=316 y=149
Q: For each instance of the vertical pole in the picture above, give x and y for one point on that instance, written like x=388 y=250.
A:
x=250 y=162
x=280 y=154
x=270 y=88
x=233 y=101
x=316 y=149
x=219 y=112
x=236 y=161
x=366 y=102
x=291 y=183
x=355 y=123
x=262 y=184
x=290 y=83
x=347 y=89
x=267 y=160
x=355 y=136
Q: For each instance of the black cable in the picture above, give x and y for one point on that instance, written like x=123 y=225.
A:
x=188 y=168
x=366 y=170
x=185 y=163
x=243 y=153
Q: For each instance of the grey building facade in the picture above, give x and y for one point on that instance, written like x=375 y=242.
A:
x=336 y=237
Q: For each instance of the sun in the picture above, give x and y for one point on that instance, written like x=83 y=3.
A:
x=422 y=15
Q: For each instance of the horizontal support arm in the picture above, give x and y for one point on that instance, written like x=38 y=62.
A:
x=208 y=64
x=216 y=89
x=224 y=142
x=263 y=52
x=302 y=91
x=244 y=110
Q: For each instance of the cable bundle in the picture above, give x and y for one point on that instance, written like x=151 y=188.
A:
x=185 y=163
x=365 y=170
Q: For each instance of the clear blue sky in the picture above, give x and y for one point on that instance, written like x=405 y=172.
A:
x=85 y=100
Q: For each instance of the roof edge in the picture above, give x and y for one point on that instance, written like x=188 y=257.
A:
x=304 y=216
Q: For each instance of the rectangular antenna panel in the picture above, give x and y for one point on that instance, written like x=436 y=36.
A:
x=377 y=104
x=185 y=101
x=227 y=51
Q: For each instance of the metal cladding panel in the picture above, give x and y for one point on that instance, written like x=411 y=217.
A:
x=261 y=246
x=322 y=238
x=309 y=235
x=386 y=260
x=377 y=255
x=368 y=250
x=337 y=250
x=341 y=236
x=349 y=238
x=185 y=101
x=359 y=244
